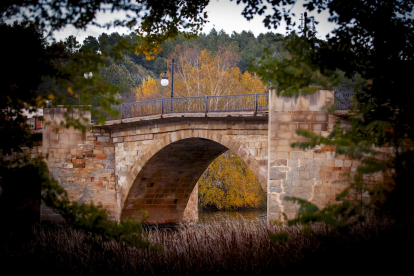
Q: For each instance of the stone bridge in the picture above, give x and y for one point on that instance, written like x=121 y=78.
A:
x=153 y=162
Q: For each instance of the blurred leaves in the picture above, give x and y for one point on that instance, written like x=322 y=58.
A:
x=50 y=72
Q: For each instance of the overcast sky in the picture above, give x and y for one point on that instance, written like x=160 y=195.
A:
x=222 y=14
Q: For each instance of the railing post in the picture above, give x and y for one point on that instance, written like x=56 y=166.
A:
x=206 y=105
x=255 y=104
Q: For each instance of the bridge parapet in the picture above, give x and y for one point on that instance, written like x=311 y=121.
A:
x=253 y=103
x=344 y=99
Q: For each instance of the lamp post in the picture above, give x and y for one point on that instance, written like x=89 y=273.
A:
x=304 y=24
x=164 y=82
x=307 y=31
x=87 y=76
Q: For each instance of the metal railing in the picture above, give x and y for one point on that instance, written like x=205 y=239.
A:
x=344 y=99
x=204 y=104
x=34 y=124
x=212 y=104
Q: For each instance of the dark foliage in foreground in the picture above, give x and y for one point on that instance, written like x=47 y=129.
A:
x=224 y=248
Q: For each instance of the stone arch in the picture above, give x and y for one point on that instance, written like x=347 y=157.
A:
x=148 y=187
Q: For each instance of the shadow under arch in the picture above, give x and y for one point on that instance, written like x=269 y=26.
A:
x=170 y=171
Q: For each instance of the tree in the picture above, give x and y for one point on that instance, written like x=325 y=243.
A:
x=229 y=184
x=125 y=74
x=378 y=47
x=24 y=181
x=91 y=43
x=202 y=73
x=149 y=89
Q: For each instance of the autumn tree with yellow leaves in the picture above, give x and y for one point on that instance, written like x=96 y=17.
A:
x=200 y=72
x=149 y=89
x=229 y=184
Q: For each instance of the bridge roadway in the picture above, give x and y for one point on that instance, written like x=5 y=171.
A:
x=152 y=162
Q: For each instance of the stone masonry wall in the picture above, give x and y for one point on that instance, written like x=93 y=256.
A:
x=350 y=165
x=82 y=163
x=313 y=175
x=191 y=210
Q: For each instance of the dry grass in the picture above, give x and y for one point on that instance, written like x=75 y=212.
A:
x=227 y=247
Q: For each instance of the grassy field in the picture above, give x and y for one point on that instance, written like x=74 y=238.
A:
x=221 y=248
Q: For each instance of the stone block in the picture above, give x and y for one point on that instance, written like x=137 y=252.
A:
x=293 y=175
x=339 y=163
x=319 y=155
x=283 y=155
x=321 y=118
x=283 y=148
x=304 y=126
x=79 y=165
x=287 y=182
x=275 y=189
x=304 y=175
x=284 y=118
x=101 y=156
x=275 y=174
x=103 y=139
x=328 y=148
x=118 y=139
x=280 y=142
x=347 y=163
x=278 y=162
x=308 y=155
x=285 y=135
x=319 y=127
x=309 y=117
x=306 y=183
x=330 y=155
x=110 y=156
x=314 y=174
x=298 y=117
x=294 y=163
x=282 y=126
x=293 y=127
x=275 y=209
x=296 y=155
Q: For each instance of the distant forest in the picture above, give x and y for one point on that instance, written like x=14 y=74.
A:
x=130 y=70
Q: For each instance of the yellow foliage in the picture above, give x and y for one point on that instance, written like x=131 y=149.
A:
x=229 y=184
x=148 y=49
x=200 y=73
x=147 y=90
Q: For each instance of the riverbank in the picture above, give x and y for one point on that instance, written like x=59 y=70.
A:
x=232 y=246
x=209 y=217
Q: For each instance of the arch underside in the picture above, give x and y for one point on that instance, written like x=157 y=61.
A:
x=164 y=184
